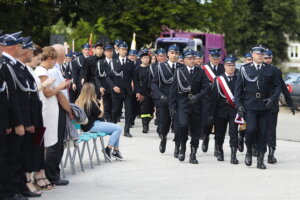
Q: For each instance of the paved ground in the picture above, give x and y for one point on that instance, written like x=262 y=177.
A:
x=148 y=174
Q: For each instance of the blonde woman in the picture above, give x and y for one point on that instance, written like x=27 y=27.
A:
x=87 y=100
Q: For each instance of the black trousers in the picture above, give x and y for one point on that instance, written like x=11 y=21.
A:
x=147 y=106
x=220 y=131
x=11 y=172
x=135 y=108
x=54 y=153
x=165 y=120
x=257 y=126
x=185 y=121
x=271 y=140
x=117 y=108
x=107 y=106
x=206 y=126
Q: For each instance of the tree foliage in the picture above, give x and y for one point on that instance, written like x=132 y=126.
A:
x=243 y=22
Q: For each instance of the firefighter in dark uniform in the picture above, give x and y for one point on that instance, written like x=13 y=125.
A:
x=143 y=90
x=161 y=85
x=223 y=109
x=65 y=69
x=119 y=78
x=212 y=68
x=132 y=55
x=79 y=70
x=91 y=64
x=257 y=88
x=102 y=66
x=69 y=76
x=180 y=59
x=12 y=121
x=161 y=58
x=199 y=59
x=247 y=59
x=189 y=86
x=271 y=141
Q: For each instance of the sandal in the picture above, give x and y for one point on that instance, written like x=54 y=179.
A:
x=39 y=183
x=49 y=184
x=35 y=190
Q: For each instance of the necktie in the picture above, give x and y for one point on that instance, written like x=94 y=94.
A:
x=173 y=68
x=215 y=68
x=123 y=61
x=109 y=64
x=230 y=78
x=191 y=72
x=258 y=67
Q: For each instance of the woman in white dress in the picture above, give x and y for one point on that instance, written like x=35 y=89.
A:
x=48 y=96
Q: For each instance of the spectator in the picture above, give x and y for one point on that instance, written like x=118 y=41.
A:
x=87 y=100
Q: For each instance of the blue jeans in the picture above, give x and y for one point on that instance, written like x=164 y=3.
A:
x=114 y=130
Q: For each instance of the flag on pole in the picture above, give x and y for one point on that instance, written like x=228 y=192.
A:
x=133 y=43
x=66 y=45
x=90 y=43
x=73 y=46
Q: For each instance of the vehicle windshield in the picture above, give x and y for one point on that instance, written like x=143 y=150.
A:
x=290 y=78
x=182 y=45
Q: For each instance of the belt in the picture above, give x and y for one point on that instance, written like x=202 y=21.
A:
x=258 y=95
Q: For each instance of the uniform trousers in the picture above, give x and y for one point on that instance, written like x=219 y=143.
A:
x=107 y=106
x=186 y=121
x=257 y=126
x=117 y=104
x=271 y=140
x=220 y=131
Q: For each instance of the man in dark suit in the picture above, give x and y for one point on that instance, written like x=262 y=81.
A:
x=189 y=86
x=102 y=67
x=116 y=51
x=161 y=85
x=257 y=88
x=79 y=69
x=271 y=141
x=119 y=78
x=223 y=109
x=90 y=64
x=212 y=69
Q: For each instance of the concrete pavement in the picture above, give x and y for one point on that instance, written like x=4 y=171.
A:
x=148 y=174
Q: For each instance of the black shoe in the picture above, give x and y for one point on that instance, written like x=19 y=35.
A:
x=241 y=144
x=108 y=153
x=28 y=193
x=145 y=128
x=216 y=150
x=122 y=117
x=60 y=182
x=127 y=134
x=234 y=160
x=193 y=158
x=181 y=155
x=156 y=122
x=162 y=146
x=117 y=155
x=248 y=158
x=18 y=197
x=205 y=143
x=220 y=153
x=260 y=161
x=271 y=158
x=176 y=151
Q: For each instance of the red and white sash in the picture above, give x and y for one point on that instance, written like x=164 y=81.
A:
x=209 y=73
x=230 y=98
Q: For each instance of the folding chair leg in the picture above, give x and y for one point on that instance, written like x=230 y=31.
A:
x=77 y=149
x=90 y=156
x=62 y=170
x=103 y=149
x=95 y=149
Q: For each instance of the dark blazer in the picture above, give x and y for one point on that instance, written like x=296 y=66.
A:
x=142 y=84
x=158 y=87
x=124 y=83
x=79 y=70
x=101 y=81
x=220 y=69
x=269 y=85
x=285 y=93
x=90 y=66
x=199 y=86
x=219 y=105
